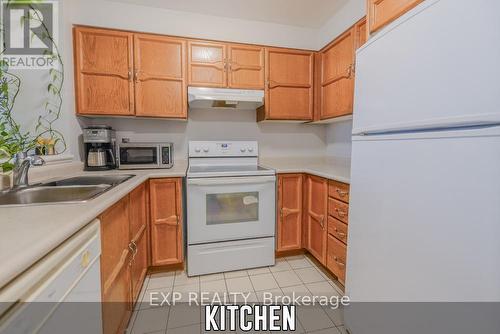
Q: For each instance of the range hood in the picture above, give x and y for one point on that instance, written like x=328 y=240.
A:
x=207 y=98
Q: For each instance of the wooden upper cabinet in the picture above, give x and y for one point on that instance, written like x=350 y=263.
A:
x=166 y=221
x=382 y=12
x=289 y=85
x=207 y=64
x=160 y=76
x=246 y=66
x=103 y=72
x=316 y=207
x=289 y=212
x=337 y=76
x=361 y=29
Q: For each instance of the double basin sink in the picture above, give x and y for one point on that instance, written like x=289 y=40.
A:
x=73 y=190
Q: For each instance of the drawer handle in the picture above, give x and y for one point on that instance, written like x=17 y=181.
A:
x=340 y=263
x=341 y=234
x=341 y=213
x=341 y=192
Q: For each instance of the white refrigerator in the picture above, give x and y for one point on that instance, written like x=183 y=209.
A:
x=424 y=220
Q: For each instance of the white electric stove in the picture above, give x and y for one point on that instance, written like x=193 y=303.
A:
x=231 y=212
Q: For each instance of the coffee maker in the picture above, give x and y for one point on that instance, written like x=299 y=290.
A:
x=100 y=148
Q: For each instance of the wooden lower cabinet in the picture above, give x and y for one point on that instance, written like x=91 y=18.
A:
x=166 y=221
x=289 y=212
x=138 y=230
x=336 y=258
x=316 y=206
x=124 y=261
x=324 y=226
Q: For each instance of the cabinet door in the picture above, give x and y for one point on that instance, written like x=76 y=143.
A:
x=289 y=212
x=337 y=77
x=382 y=12
x=316 y=214
x=103 y=72
x=207 y=64
x=361 y=32
x=166 y=221
x=160 y=76
x=138 y=235
x=115 y=272
x=289 y=87
x=246 y=67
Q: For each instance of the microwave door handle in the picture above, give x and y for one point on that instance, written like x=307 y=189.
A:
x=231 y=181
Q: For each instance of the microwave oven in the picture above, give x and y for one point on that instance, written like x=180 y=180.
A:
x=145 y=155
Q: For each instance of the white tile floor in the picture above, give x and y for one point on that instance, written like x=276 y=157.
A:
x=296 y=274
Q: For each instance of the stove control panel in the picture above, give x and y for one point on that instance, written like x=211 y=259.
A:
x=223 y=149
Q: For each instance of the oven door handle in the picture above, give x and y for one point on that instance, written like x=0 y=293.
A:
x=231 y=180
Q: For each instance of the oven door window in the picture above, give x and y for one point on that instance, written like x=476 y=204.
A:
x=139 y=156
x=229 y=208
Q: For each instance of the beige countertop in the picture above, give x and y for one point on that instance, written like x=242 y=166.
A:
x=31 y=232
x=338 y=169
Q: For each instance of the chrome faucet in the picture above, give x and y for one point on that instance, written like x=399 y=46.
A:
x=22 y=163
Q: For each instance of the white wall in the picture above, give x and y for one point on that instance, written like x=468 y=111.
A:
x=275 y=139
x=338 y=139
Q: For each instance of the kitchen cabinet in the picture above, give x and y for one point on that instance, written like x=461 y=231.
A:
x=138 y=201
x=289 y=85
x=361 y=31
x=335 y=70
x=207 y=64
x=125 y=74
x=124 y=257
x=225 y=65
x=336 y=258
x=159 y=75
x=316 y=206
x=103 y=72
x=337 y=77
x=289 y=232
x=115 y=272
x=166 y=221
x=382 y=12
x=246 y=66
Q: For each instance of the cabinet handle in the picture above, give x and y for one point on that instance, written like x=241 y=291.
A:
x=340 y=263
x=322 y=222
x=129 y=74
x=341 y=192
x=136 y=76
x=341 y=234
x=341 y=213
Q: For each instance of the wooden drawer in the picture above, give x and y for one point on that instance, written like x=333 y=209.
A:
x=338 y=229
x=338 y=209
x=336 y=258
x=338 y=191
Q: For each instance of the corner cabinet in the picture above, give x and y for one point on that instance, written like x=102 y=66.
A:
x=383 y=12
x=166 y=221
x=289 y=212
x=335 y=71
x=289 y=87
x=316 y=212
x=120 y=73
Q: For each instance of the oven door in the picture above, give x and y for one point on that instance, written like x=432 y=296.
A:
x=138 y=156
x=230 y=208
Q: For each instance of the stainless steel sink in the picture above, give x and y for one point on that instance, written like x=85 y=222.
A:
x=40 y=195
x=73 y=190
x=112 y=180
